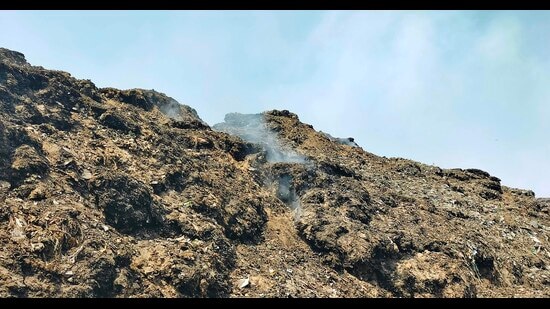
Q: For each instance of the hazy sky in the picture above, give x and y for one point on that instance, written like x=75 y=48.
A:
x=454 y=89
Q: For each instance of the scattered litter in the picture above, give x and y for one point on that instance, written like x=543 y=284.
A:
x=37 y=247
x=244 y=282
x=4 y=185
x=86 y=174
x=538 y=245
x=18 y=222
x=180 y=238
x=18 y=232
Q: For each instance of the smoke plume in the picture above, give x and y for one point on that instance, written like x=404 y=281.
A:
x=252 y=128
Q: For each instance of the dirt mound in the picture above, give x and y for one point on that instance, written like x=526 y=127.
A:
x=127 y=193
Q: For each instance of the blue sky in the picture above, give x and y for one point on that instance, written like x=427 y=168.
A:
x=454 y=89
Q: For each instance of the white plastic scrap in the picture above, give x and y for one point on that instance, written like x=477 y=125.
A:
x=18 y=232
x=244 y=282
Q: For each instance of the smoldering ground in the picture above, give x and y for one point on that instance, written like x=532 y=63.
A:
x=252 y=128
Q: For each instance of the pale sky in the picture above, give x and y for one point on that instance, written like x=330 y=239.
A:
x=450 y=88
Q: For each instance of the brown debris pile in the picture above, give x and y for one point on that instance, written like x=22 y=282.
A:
x=110 y=193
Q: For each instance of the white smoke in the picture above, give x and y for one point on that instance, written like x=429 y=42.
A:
x=287 y=194
x=349 y=141
x=171 y=109
x=253 y=128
